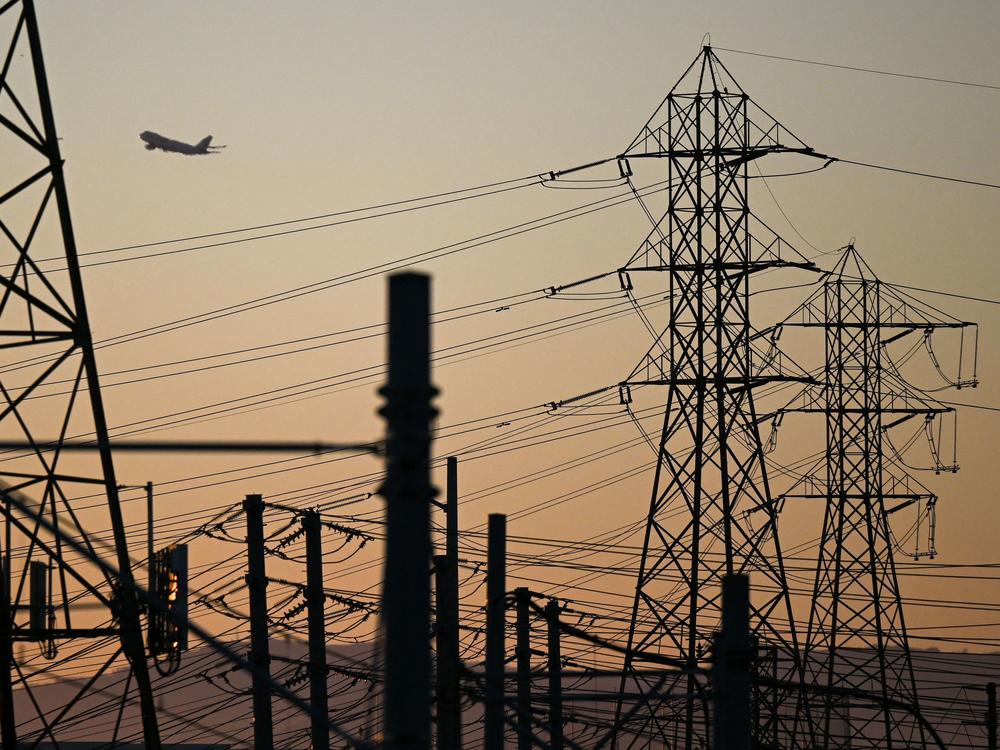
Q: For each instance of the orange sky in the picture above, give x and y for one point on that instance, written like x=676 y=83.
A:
x=326 y=107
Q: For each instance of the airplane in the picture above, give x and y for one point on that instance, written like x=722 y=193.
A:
x=155 y=140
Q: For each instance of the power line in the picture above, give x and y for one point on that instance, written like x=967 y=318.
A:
x=862 y=70
x=490 y=187
x=884 y=168
x=972 y=406
x=949 y=294
x=367 y=272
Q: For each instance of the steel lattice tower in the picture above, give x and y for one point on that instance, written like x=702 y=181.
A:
x=49 y=391
x=711 y=512
x=856 y=637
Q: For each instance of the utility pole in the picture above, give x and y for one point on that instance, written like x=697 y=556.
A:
x=731 y=667
x=449 y=716
x=451 y=514
x=408 y=493
x=555 y=676
x=8 y=725
x=991 y=716
x=315 y=601
x=449 y=729
x=496 y=594
x=150 y=548
x=522 y=601
x=260 y=656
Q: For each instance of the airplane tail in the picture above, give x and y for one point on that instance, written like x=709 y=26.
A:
x=203 y=144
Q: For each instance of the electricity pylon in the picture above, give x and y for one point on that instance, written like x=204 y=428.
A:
x=711 y=512
x=856 y=638
x=49 y=390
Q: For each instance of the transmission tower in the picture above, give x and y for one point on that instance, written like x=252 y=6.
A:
x=711 y=512
x=856 y=639
x=54 y=604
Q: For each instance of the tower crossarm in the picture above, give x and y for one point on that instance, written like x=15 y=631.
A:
x=738 y=156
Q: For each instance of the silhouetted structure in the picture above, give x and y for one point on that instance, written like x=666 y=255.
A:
x=856 y=635
x=43 y=316
x=711 y=513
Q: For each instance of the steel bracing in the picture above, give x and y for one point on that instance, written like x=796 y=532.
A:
x=711 y=511
x=856 y=637
x=49 y=392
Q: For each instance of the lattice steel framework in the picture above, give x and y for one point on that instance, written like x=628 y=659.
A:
x=711 y=512
x=49 y=391
x=856 y=637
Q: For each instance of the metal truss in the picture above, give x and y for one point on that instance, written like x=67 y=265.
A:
x=55 y=602
x=711 y=512
x=856 y=637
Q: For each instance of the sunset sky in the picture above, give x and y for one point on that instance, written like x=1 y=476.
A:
x=326 y=107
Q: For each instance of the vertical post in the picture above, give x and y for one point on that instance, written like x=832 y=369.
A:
x=555 y=677
x=408 y=492
x=8 y=726
x=152 y=627
x=260 y=657
x=496 y=593
x=449 y=715
x=315 y=600
x=449 y=730
x=731 y=668
x=451 y=513
x=150 y=549
x=991 y=715
x=775 y=702
x=523 y=624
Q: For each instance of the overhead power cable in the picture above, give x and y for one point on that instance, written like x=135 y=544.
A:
x=972 y=406
x=950 y=294
x=367 y=272
x=858 y=69
x=884 y=168
x=492 y=188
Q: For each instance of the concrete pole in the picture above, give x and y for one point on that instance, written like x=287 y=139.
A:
x=496 y=593
x=449 y=730
x=522 y=599
x=731 y=668
x=315 y=605
x=408 y=492
x=991 y=716
x=555 y=677
x=260 y=654
x=150 y=549
x=8 y=725
x=451 y=513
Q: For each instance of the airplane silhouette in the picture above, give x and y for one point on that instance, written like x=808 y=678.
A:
x=155 y=140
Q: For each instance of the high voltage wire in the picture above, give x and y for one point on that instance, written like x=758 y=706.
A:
x=372 y=478
x=478 y=348
x=894 y=74
x=915 y=173
x=374 y=370
x=364 y=273
x=527 y=182
x=507 y=302
x=123 y=336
